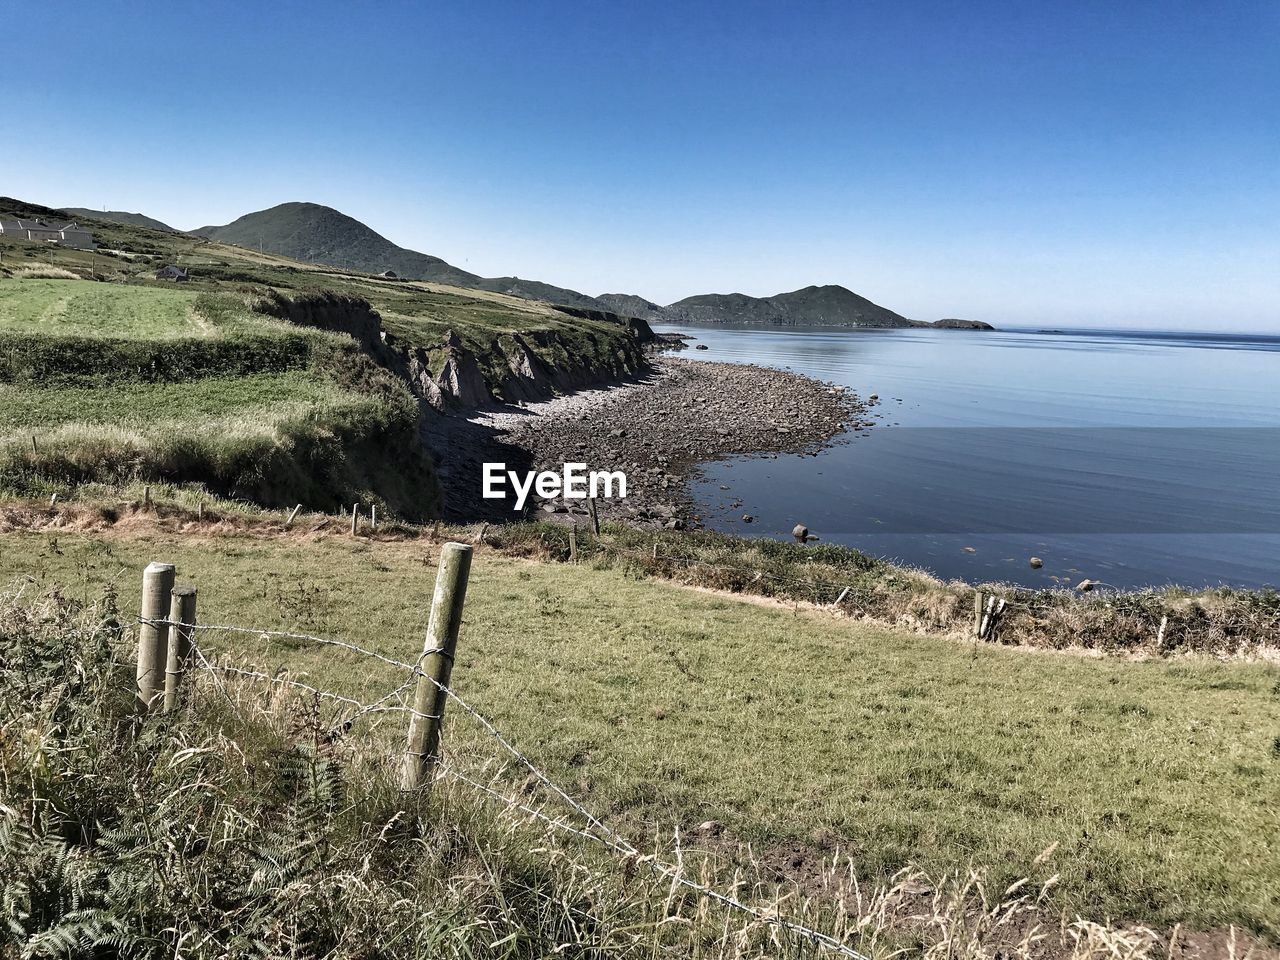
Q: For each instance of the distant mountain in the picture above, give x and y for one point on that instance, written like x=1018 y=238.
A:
x=119 y=216
x=951 y=323
x=536 y=290
x=826 y=306
x=320 y=234
x=629 y=305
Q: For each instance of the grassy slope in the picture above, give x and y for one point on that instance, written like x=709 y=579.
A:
x=129 y=330
x=120 y=216
x=1157 y=780
x=121 y=383
x=419 y=313
x=64 y=307
x=312 y=232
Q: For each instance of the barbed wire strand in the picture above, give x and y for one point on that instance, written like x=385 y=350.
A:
x=605 y=835
x=283 y=634
x=671 y=873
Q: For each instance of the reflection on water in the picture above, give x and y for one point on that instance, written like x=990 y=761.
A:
x=1135 y=459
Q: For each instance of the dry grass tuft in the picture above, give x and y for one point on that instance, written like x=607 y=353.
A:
x=38 y=272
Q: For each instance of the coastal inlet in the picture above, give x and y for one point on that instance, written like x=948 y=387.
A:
x=659 y=429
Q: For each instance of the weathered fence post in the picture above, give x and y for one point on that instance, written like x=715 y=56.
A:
x=355 y=517
x=595 y=516
x=573 y=543
x=153 y=637
x=293 y=515
x=146 y=498
x=182 y=610
x=435 y=665
x=977 y=613
x=373 y=517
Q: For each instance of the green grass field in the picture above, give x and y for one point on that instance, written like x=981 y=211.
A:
x=661 y=706
x=160 y=407
x=108 y=385
x=85 y=308
x=92 y=366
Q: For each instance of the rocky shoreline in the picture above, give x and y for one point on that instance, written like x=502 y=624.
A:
x=659 y=430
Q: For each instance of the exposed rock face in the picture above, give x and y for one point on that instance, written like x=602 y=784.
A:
x=460 y=376
x=460 y=381
x=638 y=327
x=336 y=312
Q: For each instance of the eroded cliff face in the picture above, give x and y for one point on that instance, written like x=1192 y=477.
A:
x=335 y=312
x=460 y=374
x=518 y=368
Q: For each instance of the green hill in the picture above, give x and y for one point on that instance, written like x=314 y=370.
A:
x=320 y=234
x=828 y=306
x=119 y=216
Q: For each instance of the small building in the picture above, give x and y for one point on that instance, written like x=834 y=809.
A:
x=170 y=272
x=388 y=275
x=68 y=234
x=74 y=235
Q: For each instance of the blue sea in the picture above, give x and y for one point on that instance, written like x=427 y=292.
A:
x=1134 y=459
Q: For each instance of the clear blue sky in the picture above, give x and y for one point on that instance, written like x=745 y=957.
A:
x=1112 y=163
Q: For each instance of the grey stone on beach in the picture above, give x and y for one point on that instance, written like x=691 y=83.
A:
x=661 y=430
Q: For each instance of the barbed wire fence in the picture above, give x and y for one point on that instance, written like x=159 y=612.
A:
x=168 y=650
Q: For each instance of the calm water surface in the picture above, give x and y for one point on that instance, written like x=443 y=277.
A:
x=1134 y=459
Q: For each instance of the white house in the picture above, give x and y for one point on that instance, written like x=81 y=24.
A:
x=74 y=235
x=68 y=234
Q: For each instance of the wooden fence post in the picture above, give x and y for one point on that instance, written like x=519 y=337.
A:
x=436 y=664
x=595 y=516
x=977 y=613
x=293 y=515
x=153 y=638
x=355 y=517
x=373 y=517
x=573 y=543
x=182 y=610
x=146 y=498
